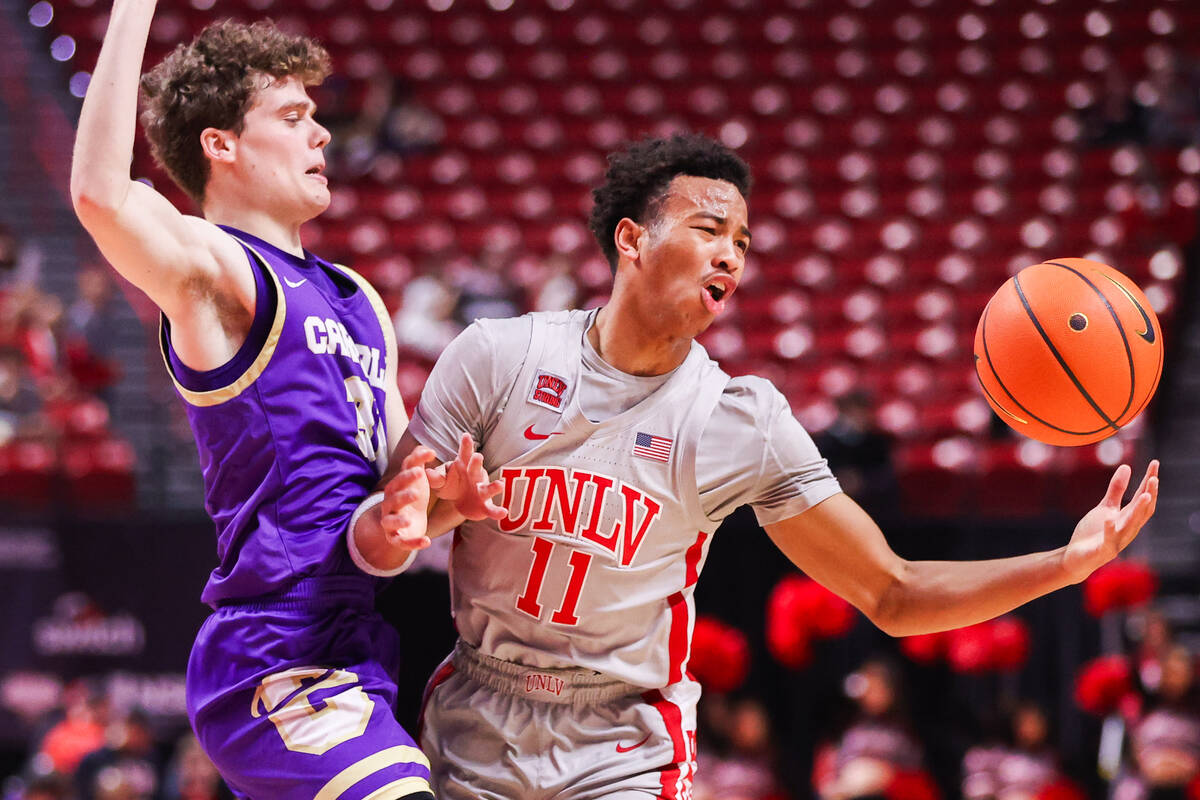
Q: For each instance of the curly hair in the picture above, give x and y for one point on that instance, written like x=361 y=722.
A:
x=638 y=176
x=210 y=83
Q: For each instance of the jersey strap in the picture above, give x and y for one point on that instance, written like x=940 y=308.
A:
x=243 y=381
x=508 y=428
x=710 y=385
x=391 y=365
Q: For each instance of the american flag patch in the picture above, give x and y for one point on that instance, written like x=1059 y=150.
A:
x=655 y=448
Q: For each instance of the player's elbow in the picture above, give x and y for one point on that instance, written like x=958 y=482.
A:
x=90 y=207
x=888 y=609
x=95 y=198
x=888 y=621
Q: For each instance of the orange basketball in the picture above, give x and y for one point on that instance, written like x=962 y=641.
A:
x=1068 y=351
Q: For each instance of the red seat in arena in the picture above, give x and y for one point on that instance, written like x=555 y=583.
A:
x=99 y=475
x=27 y=479
x=910 y=156
x=938 y=479
x=1018 y=479
x=1088 y=470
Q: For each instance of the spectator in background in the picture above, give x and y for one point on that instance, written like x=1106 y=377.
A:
x=1115 y=117
x=1171 y=93
x=90 y=323
x=1162 y=110
x=424 y=321
x=8 y=255
x=91 y=316
x=1020 y=769
x=1165 y=740
x=555 y=287
x=20 y=265
x=860 y=454
x=45 y=788
x=191 y=775
x=409 y=126
x=80 y=731
x=28 y=321
x=126 y=766
x=484 y=290
x=389 y=120
x=20 y=402
x=878 y=755
x=1156 y=641
x=736 y=760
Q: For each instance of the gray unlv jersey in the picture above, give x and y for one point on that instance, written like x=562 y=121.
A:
x=609 y=521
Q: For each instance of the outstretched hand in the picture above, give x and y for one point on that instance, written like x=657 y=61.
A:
x=405 y=506
x=1108 y=528
x=464 y=482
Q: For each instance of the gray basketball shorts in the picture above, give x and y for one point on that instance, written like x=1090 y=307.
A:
x=495 y=730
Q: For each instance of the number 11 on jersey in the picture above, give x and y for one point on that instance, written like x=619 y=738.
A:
x=529 y=603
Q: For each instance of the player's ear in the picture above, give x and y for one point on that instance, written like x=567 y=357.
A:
x=218 y=145
x=628 y=237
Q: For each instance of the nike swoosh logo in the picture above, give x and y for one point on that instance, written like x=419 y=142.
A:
x=297 y=284
x=621 y=749
x=1148 y=333
x=530 y=434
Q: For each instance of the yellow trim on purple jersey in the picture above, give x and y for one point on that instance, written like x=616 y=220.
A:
x=399 y=754
x=385 y=319
x=214 y=397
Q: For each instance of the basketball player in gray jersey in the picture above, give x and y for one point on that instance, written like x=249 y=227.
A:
x=621 y=447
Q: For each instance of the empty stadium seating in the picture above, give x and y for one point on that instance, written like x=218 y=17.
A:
x=909 y=156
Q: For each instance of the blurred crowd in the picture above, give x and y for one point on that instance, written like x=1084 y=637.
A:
x=1162 y=109
x=56 y=364
x=88 y=750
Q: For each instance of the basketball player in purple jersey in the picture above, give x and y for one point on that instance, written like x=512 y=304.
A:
x=287 y=367
x=621 y=446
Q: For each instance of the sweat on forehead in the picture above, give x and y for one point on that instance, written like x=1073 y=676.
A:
x=690 y=192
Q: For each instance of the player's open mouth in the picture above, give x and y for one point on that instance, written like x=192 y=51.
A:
x=315 y=172
x=716 y=292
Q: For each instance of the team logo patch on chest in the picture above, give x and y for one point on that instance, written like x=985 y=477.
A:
x=549 y=391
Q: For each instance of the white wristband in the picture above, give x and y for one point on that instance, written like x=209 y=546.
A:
x=372 y=500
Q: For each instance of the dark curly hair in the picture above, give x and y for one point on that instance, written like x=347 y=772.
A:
x=638 y=176
x=210 y=83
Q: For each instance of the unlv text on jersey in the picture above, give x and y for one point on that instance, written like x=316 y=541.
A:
x=558 y=500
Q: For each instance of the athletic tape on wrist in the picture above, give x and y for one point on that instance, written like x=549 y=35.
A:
x=372 y=500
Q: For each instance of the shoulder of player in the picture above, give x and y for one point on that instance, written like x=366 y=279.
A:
x=749 y=400
x=751 y=390
x=515 y=332
x=500 y=333
x=499 y=343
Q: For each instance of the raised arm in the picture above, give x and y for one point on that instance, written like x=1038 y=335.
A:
x=840 y=546
x=169 y=256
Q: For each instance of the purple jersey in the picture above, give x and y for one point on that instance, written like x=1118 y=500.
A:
x=291 y=430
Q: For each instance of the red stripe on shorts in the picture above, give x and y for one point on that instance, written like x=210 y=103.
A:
x=673 y=719
x=441 y=676
x=678 y=639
